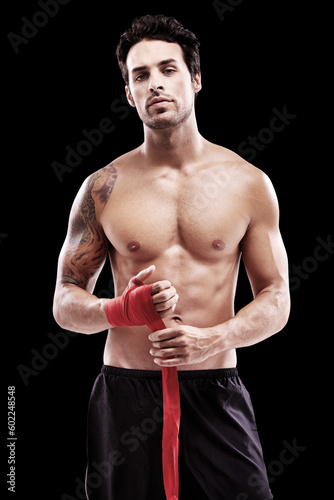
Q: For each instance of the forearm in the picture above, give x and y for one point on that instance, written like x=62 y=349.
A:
x=77 y=310
x=266 y=315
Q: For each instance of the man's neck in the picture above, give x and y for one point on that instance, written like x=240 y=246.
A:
x=174 y=146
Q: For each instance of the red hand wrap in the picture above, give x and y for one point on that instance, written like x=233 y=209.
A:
x=134 y=308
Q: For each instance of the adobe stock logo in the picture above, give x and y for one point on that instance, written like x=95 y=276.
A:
x=130 y=440
x=288 y=455
x=310 y=264
x=3 y=236
x=223 y=7
x=41 y=358
x=30 y=27
x=249 y=148
x=91 y=139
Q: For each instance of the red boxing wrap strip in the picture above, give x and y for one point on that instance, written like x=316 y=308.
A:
x=134 y=308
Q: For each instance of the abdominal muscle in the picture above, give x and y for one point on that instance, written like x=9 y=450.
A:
x=199 y=305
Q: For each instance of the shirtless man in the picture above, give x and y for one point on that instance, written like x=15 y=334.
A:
x=178 y=212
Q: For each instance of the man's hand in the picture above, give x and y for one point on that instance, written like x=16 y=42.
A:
x=164 y=294
x=184 y=345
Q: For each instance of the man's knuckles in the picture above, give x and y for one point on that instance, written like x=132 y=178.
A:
x=158 y=286
x=165 y=295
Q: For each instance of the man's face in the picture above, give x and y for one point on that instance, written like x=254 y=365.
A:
x=160 y=85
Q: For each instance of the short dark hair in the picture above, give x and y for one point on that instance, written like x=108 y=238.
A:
x=159 y=27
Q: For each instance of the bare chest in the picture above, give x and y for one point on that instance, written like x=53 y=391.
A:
x=203 y=213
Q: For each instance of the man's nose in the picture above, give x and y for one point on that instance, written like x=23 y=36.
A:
x=154 y=88
x=155 y=83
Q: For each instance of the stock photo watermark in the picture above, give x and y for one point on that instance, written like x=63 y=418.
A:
x=250 y=147
x=94 y=479
x=288 y=455
x=11 y=439
x=310 y=264
x=130 y=440
x=3 y=236
x=223 y=8
x=48 y=352
x=31 y=26
x=91 y=139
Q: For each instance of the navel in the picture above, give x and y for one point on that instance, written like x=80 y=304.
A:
x=133 y=246
x=218 y=245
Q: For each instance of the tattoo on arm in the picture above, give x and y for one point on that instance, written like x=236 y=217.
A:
x=88 y=245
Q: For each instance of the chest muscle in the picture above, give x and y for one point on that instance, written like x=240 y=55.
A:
x=203 y=214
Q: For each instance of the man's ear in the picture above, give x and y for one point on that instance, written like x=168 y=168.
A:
x=197 y=83
x=129 y=96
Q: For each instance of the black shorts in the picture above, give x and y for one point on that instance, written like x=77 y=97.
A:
x=220 y=455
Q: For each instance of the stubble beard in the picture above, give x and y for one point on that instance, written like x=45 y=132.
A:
x=163 y=119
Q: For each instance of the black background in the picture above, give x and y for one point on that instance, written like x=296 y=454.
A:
x=262 y=55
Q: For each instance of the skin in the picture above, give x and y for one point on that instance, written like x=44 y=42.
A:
x=178 y=212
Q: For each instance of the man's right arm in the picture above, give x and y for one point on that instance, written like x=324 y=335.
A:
x=82 y=257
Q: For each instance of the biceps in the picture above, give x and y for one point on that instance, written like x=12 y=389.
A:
x=86 y=245
x=82 y=258
x=265 y=258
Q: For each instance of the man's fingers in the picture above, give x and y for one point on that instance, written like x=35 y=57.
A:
x=142 y=276
x=145 y=274
x=165 y=301
x=166 y=334
x=158 y=286
x=164 y=295
x=167 y=304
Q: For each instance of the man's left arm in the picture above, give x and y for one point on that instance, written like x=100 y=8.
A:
x=266 y=264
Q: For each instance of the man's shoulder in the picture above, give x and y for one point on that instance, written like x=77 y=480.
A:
x=97 y=179
x=99 y=184
x=250 y=182
x=237 y=166
x=110 y=170
x=96 y=188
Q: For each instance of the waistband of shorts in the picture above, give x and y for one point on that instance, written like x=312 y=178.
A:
x=220 y=373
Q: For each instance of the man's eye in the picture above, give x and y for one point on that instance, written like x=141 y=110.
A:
x=169 y=71
x=139 y=78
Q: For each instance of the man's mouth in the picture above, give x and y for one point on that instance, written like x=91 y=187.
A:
x=159 y=101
